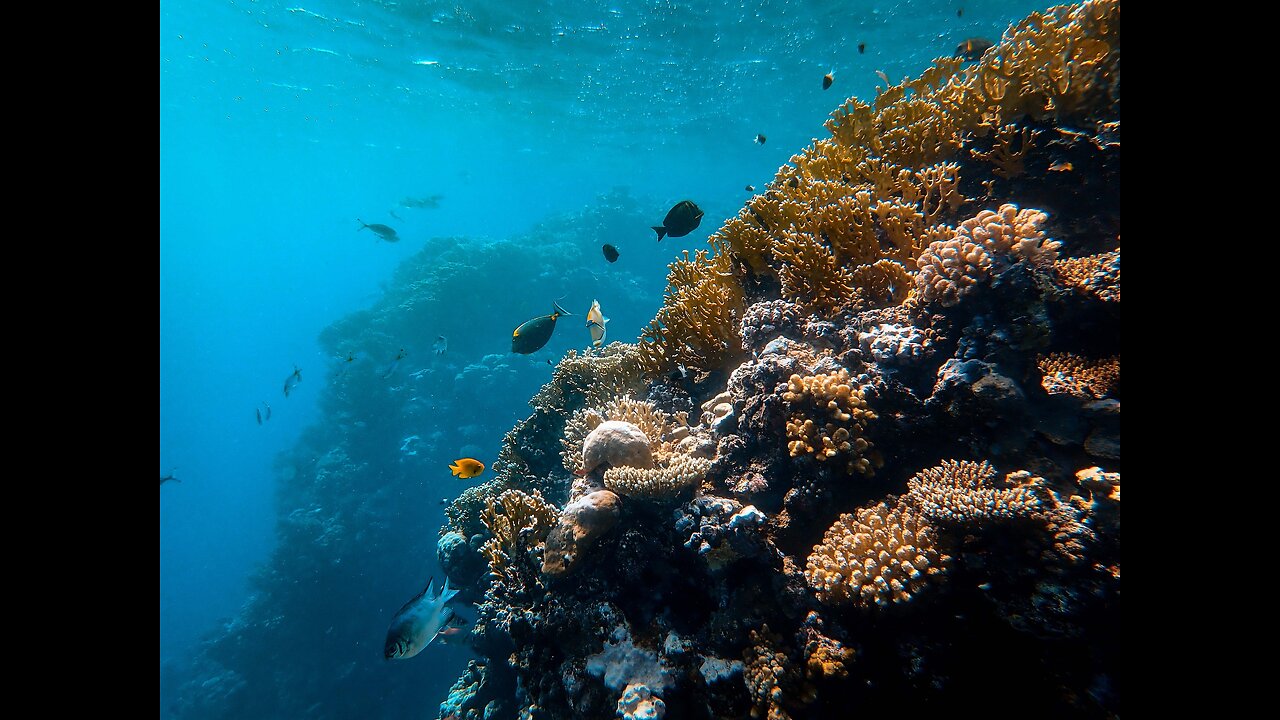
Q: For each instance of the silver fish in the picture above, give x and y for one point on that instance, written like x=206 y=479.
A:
x=419 y=622
x=386 y=372
x=258 y=412
x=442 y=345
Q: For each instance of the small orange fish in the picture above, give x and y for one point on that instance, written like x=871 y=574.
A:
x=467 y=468
x=1061 y=167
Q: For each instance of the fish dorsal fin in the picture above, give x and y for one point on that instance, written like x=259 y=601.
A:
x=559 y=310
x=426 y=592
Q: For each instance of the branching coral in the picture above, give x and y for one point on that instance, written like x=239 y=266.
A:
x=1008 y=151
x=880 y=555
x=697 y=325
x=828 y=419
x=982 y=246
x=1096 y=275
x=1078 y=376
x=657 y=484
x=966 y=492
x=1073 y=519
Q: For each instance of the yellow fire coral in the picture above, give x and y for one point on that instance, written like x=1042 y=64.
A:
x=697 y=325
x=880 y=555
x=1078 y=376
x=846 y=222
x=517 y=521
x=964 y=491
x=1097 y=275
x=660 y=483
x=982 y=246
x=829 y=419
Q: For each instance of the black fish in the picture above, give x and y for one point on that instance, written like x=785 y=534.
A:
x=828 y=79
x=680 y=221
x=292 y=381
x=973 y=48
x=750 y=188
x=760 y=139
x=532 y=335
x=862 y=48
x=166 y=478
x=383 y=231
x=960 y=12
x=610 y=252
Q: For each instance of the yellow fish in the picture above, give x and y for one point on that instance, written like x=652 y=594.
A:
x=467 y=468
x=595 y=323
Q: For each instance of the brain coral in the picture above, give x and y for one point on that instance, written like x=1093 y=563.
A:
x=880 y=555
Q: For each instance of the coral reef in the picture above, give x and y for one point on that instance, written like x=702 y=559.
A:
x=1080 y=377
x=965 y=492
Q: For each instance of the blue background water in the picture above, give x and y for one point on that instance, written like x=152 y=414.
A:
x=281 y=123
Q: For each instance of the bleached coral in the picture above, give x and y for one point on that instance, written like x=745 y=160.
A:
x=964 y=492
x=639 y=703
x=621 y=662
x=880 y=555
x=895 y=344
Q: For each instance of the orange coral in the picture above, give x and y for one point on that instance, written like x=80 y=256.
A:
x=1078 y=376
x=829 y=419
x=1096 y=275
x=882 y=554
x=964 y=491
x=697 y=325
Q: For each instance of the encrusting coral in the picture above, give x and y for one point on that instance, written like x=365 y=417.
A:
x=880 y=555
x=1078 y=376
x=829 y=418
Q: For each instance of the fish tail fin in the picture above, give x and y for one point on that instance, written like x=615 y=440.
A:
x=559 y=309
x=662 y=232
x=446 y=592
x=363 y=225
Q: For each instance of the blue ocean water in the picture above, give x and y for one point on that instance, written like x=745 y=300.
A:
x=282 y=123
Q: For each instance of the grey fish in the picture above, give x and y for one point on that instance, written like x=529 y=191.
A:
x=973 y=48
x=442 y=345
x=292 y=381
x=427 y=203
x=258 y=412
x=418 y=622
x=533 y=334
x=166 y=478
x=386 y=373
x=680 y=220
x=268 y=415
x=383 y=231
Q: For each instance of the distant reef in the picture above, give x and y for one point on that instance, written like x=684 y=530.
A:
x=866 y=458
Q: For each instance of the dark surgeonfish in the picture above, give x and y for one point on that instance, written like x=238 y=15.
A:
x=532 y=335
x=610 y=252
x=680 y=220
x=419 y=622
x=760 y=139
x=166 y=478
x=383 y=231
x=828 y=79
x=973 y=48
x=426 y=203
x=292 y=381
